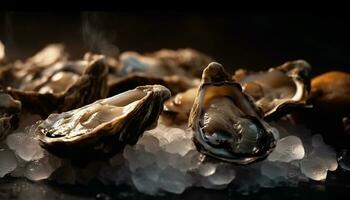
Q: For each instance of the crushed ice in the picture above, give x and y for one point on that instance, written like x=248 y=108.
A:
x=165 y=160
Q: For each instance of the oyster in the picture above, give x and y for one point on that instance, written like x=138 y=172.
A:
x=277 y=90
x=104 y=127
x=177 y=109
x=182 y=62
x=47 y=82
x=9 y=114
x=226 y=122
x=174 y=83
x=330 y=93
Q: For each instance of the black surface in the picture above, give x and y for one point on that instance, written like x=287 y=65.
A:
x=252 y=40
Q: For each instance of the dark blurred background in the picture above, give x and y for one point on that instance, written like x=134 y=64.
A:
x=254 y=40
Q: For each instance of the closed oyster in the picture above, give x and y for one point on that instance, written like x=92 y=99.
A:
x=48 y=83
x=226 y=122
x=330 y=93
x=9 y=114
x=182 y=62
x=101 y=129
x=279 y=89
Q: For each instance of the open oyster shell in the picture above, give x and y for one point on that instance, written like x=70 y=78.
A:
x=226 y=122
x=9 y=114
x=165 y=62
x=104 y=127
x=177 y=109
x=174 y=83
x=48 y=83
x=279 y=89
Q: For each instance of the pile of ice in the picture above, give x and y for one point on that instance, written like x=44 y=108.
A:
x=165 y=160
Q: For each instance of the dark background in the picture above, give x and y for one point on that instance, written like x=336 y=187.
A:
x=254 y=40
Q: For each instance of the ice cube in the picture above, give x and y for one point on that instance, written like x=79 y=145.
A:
x=223 y=175
x=146 y=179
x=288 y=149
x=25 y=146
x=174 y=181
x=314 y=168
x=179 y=146
x=206 y=169
x=273 y=170
x=38 y=170
x=8 y=162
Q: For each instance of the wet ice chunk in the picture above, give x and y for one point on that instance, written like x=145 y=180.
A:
x=40 y=169
x=174 y=181
x=25 y=146
x=288 y=149
x=223 y=175
x=326 y=154
x=206 y=169
x=180 y=146
x=273 y=170
x=314 y=168
x=146 y=180
x=8 y=162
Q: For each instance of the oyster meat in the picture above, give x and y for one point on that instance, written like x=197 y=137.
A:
x=226 y=122
x=48 y=83
x=182 y=62
x=279 y=89
x=104 y=127
x=9 y=114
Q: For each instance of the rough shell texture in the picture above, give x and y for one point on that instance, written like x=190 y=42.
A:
x=9 y=114
x=226 y=123
x=104 y=127
x=165 y=62
x=50 y=84
x=279 y=89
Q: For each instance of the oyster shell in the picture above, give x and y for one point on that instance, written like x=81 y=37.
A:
x=47 y=82
x=104 y=127
x=174 y=83
x=226 y=122
x=177 y=109
x=330 y=93
x=279 y=89
x=182 y=62
x=9 y=114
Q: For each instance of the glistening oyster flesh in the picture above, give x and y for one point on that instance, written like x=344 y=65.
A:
x=226 y=122
x=277 y=90
x=104 y=127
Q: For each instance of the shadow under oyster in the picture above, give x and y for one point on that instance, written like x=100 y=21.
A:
x=48 y=83
x=104 y=127
x=226 y=123
x=279 y=89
